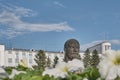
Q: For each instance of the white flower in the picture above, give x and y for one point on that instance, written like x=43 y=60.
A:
x=62 y=68
x=3 y=74
x=75 y=65
x=109 y=66
x=85 y=79
x=55 y=72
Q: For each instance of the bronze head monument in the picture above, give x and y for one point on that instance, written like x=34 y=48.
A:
x=72 y=49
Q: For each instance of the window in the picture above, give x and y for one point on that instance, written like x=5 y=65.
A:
x=23 y=55
x=10 y=52
x=17 y=60
x=107 y=47
x=30 y=56
x=17 y=55
x=9 y=60
x=30 y=60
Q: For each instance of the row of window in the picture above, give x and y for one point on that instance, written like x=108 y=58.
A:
x=23 y=55
x=17 y=54
x=10 y=60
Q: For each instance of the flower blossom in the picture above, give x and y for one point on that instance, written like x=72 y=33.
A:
x=109 y=66
x=62 y=68
x=75 y=65
x=3 y=74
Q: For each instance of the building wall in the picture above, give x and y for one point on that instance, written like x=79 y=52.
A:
x=106 y=46
x=2 y=49
x=13 y=57
x=101 y=47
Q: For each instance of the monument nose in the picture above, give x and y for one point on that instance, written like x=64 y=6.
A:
x=75 y=50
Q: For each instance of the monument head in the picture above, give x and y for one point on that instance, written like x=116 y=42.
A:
x=71 y=48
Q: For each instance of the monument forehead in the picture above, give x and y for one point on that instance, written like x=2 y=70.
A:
x=71 y=42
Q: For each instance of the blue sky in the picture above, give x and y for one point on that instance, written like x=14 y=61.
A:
x=47 y=24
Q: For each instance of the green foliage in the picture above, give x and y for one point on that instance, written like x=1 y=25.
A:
x=91 y=73
x=118 y=78
x=36 y=78
x=87 y=58
x=95 y=58
x=40 y=59
x=48 y=63
x=30 y=75
x=47 y=77
x=55 y=61
x=73 y=76
x=21 y=68
x=8 y=69
x=6 y=79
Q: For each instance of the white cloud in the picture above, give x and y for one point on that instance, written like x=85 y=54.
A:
x=59 y=4
x=19 y=11
x=115 y=41
x=10 y=17
x=10 y=33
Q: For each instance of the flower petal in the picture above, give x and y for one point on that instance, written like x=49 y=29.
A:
x=75 y=65
x=118 y=71
x=112 y=74
x=104 y=68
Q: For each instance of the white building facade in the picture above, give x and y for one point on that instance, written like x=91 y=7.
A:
x=2 y=55
x=101 y=47
x=12 y=57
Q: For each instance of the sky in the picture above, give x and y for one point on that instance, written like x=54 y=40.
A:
x=48 y=24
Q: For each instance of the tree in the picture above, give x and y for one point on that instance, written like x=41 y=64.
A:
x=87 y=58
x=55 y=61
x=48 y=64
x=40 y=59
x=95 y=58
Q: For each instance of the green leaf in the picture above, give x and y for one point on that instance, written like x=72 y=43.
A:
x=118 y=78
x=91 y=73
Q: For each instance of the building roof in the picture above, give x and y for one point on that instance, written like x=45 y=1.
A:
x=16 y=49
